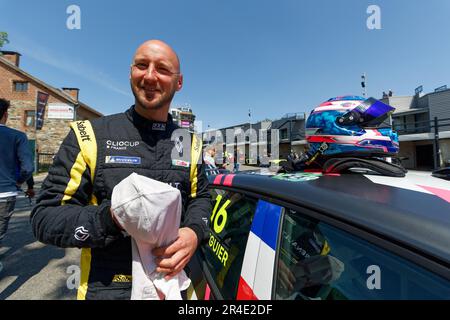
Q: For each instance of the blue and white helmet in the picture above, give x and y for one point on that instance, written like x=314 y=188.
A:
x=352 y=126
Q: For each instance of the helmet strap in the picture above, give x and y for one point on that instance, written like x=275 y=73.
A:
x=323 y=147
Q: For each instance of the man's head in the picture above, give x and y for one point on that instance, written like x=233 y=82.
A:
x=4 y=105
x=155 y=77
x=211 y=150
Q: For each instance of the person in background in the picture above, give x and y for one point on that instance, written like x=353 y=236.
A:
x=16 y=167
x=210 y=162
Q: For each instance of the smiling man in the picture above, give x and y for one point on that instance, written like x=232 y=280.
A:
x=155 y=77
x=74 y=208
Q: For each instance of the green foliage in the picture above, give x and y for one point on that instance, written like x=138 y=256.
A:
x=3 y=38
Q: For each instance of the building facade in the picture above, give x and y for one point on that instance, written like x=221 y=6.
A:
x=184 y=117
x=63 y=106
x=249 y=141
x=423 y=125
x=291 y=133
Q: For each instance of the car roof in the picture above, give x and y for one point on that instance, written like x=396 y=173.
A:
x=414 y=210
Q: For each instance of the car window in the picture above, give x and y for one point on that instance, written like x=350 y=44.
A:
x=319 y=261
x=231 y=221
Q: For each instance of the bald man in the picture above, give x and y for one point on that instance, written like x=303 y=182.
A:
x=74 y=207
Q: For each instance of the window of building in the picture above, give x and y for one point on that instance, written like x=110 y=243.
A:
x=422 y=122
x=283 y=134
x=318 y=261
x=231 y=221
x=20 y=86
x=30 y=116
x=399 y=124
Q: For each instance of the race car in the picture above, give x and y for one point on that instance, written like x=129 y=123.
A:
x=310 y=235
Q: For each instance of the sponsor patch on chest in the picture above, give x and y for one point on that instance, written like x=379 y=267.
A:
x=123 y=159
x=121 y=145
x=180 y=163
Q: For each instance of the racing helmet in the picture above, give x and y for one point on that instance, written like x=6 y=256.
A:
x=351 y=126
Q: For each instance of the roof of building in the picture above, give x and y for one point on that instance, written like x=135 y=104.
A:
x=10 y=52
x=437 y=92
x=409 y=104
x=400 y=103
x=54 y=91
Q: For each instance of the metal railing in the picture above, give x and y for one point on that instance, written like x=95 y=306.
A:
x=420 y=126
x=427 y=126
x=412 y=127
x=438 y=123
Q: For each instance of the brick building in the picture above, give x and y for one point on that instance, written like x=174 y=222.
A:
x=62 y=107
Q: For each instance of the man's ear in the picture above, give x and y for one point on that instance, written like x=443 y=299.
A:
x=180 y=82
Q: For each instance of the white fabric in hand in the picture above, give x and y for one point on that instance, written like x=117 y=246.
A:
x=150 y=211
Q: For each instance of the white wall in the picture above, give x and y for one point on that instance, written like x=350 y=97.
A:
x=444 y=146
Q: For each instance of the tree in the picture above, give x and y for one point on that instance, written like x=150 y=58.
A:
x=3 y=38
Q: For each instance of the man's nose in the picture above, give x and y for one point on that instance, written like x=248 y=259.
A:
x=150 y=74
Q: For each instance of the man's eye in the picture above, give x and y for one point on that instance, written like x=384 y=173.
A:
x=141 y=66
x=163 y=70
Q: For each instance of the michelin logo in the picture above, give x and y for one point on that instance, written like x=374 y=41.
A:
x=81 y=234
x=122 y=159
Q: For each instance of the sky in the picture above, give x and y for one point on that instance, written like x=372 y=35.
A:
x=272 y=57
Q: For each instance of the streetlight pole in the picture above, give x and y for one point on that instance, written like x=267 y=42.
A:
x=249 y=134
x=250 y=118
x=363 y=84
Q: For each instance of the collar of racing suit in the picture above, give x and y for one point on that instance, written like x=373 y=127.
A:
x=148 y=125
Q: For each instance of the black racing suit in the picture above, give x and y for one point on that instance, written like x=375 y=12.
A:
x=126 y=143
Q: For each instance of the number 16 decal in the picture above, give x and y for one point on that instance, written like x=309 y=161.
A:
x=215 y=217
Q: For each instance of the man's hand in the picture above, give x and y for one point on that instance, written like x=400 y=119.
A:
x=173 y=258
x=30 y=193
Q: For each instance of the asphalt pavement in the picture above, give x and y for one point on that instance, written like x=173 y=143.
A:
x=31 y=269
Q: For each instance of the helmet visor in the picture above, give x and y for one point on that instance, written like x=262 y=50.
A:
x=371 y=113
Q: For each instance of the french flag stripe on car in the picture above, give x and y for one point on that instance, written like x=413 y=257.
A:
x=258 y=265
x=250 y=260
x=264 y=273
x=244 y=291
x=265 y=222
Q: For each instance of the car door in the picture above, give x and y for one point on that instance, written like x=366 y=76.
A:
x=259 y=262
x=216 y=269
x=319 y=259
